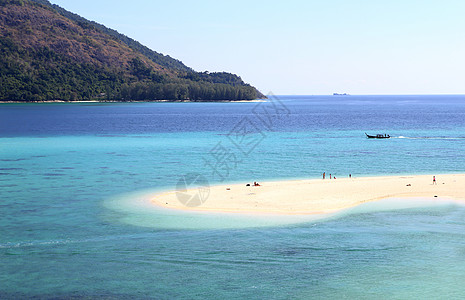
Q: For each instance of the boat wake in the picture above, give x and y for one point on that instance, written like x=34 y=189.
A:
x=429 y=137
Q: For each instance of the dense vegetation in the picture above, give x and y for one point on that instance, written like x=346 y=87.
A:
x=48 y=53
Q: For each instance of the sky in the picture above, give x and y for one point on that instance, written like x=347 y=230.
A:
x=298 y=47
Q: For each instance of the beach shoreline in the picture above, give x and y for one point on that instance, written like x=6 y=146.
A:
x=316 y=196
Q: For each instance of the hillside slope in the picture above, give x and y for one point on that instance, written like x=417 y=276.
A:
x=48 y=53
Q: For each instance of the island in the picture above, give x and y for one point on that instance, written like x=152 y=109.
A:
x=49 y=53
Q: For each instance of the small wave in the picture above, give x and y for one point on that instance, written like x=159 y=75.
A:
x=13 y=160
x=36 y=243
x=371 y=249
x=53 y=174
x=32 y=244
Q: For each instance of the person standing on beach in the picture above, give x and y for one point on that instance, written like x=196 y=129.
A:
x=350 y=175
x=434 y=180
x=330 y=176
x=324 y=175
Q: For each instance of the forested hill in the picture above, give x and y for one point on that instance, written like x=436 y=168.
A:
x=48 y=53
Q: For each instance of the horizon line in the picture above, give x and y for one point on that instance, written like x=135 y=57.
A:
x=368 y=94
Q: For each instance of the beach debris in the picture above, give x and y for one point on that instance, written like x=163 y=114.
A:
x=248 y=184
x=228 y=189
x=435 y=196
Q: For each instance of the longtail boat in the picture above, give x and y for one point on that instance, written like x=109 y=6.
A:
x=378 y=136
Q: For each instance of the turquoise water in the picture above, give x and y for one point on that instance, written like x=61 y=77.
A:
x=76 y=180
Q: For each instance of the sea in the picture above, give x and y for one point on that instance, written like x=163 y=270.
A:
x=77 y=179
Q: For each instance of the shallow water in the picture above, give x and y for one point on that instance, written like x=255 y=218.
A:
x=76 y=221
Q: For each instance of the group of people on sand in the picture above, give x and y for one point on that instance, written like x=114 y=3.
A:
x=333 y=177
x=254 y=184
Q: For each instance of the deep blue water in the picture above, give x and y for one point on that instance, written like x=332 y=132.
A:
x=75 y=220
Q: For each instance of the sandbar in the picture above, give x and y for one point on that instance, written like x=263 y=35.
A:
x=316 y=196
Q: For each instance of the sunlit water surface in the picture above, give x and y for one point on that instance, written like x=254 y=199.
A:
x=76 y=218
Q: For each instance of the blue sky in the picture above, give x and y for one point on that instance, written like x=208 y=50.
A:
x=303 y=47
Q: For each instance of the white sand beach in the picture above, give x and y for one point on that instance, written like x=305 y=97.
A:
x=317 y=196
